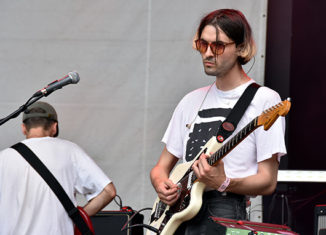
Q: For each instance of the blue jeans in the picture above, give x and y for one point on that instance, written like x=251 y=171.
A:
x=230 y=206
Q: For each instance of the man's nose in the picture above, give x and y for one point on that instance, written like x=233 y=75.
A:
x=208 y=53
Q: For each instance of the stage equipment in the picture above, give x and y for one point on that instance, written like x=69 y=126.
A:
x=111 y=222
x=320 y=220
x=298 y=176
x=280 y=207
x=229 y=226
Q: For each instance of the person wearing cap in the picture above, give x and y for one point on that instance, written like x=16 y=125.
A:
x=27 y=204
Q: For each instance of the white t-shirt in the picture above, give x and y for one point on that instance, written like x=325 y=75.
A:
x=243 y=160
x=28 y=205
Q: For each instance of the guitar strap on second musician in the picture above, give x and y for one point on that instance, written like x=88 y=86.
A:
x=49 y=178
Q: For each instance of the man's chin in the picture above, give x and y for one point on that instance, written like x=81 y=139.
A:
x=210 y=72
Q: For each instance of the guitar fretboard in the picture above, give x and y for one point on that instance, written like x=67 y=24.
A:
x=234 y=141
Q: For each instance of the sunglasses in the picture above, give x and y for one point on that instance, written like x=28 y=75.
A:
x=217 y=48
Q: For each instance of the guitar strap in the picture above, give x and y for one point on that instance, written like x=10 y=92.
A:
x=230 y=123
x=49 y=178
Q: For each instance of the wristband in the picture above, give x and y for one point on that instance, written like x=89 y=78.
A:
x=224 y=185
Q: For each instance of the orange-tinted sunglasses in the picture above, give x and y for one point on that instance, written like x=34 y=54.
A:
x=217 y=48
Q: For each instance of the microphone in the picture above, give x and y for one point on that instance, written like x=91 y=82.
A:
x=71 y=77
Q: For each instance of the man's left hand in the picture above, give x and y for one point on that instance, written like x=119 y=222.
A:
x=212 y=176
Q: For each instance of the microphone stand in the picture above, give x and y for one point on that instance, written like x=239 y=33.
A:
x=22 y=108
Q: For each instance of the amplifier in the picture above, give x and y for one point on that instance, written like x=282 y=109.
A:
x=111 y=222
x=320 y=220
x=240 y=227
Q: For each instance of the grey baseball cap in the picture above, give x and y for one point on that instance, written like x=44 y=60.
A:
x=41 y=109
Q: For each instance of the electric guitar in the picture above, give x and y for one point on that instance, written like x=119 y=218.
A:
x=166 y=219
x=86 y=218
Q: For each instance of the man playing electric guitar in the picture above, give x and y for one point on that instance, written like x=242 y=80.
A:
x=225 y=42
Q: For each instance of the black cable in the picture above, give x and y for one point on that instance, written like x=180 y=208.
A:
x=271 y=206
x=155 y=230
x=251 y=65
x=289 y=220
x=120 y=201
x=138 y=225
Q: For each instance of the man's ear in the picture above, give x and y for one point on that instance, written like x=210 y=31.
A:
x=24 y=129
x=53 y=129
x=193 y=41
x=240 y=50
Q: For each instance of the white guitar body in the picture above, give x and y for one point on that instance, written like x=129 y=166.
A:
x=196 y=194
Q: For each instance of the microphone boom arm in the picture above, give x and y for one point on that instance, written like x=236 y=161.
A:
x=72 y=77
x=19 y=110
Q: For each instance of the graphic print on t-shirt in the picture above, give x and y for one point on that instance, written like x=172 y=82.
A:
x=203 y=131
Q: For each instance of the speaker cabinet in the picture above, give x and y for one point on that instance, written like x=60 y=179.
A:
x=320 y=220
x=111 y=222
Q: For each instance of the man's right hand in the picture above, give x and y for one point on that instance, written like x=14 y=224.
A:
x=167 y=191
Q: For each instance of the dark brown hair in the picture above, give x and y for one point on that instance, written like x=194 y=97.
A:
x=234 y=24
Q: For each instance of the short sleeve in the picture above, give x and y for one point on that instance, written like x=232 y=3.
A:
x=173 y=135
x=90 y=179
x=271 y=141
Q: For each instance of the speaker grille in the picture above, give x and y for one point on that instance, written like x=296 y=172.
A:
x=322 y=221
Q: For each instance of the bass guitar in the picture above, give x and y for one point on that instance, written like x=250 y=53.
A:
x=87 y=220
x=166 y=219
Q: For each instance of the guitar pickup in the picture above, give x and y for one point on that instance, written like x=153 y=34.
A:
x=159 y=209
x=189 y=181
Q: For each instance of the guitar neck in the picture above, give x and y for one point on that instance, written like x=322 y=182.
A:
x=234 y=141
x=231 y=144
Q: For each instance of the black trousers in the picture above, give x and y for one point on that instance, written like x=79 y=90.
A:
x=216 y=204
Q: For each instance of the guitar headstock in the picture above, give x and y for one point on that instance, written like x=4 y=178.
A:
x=269 y=116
